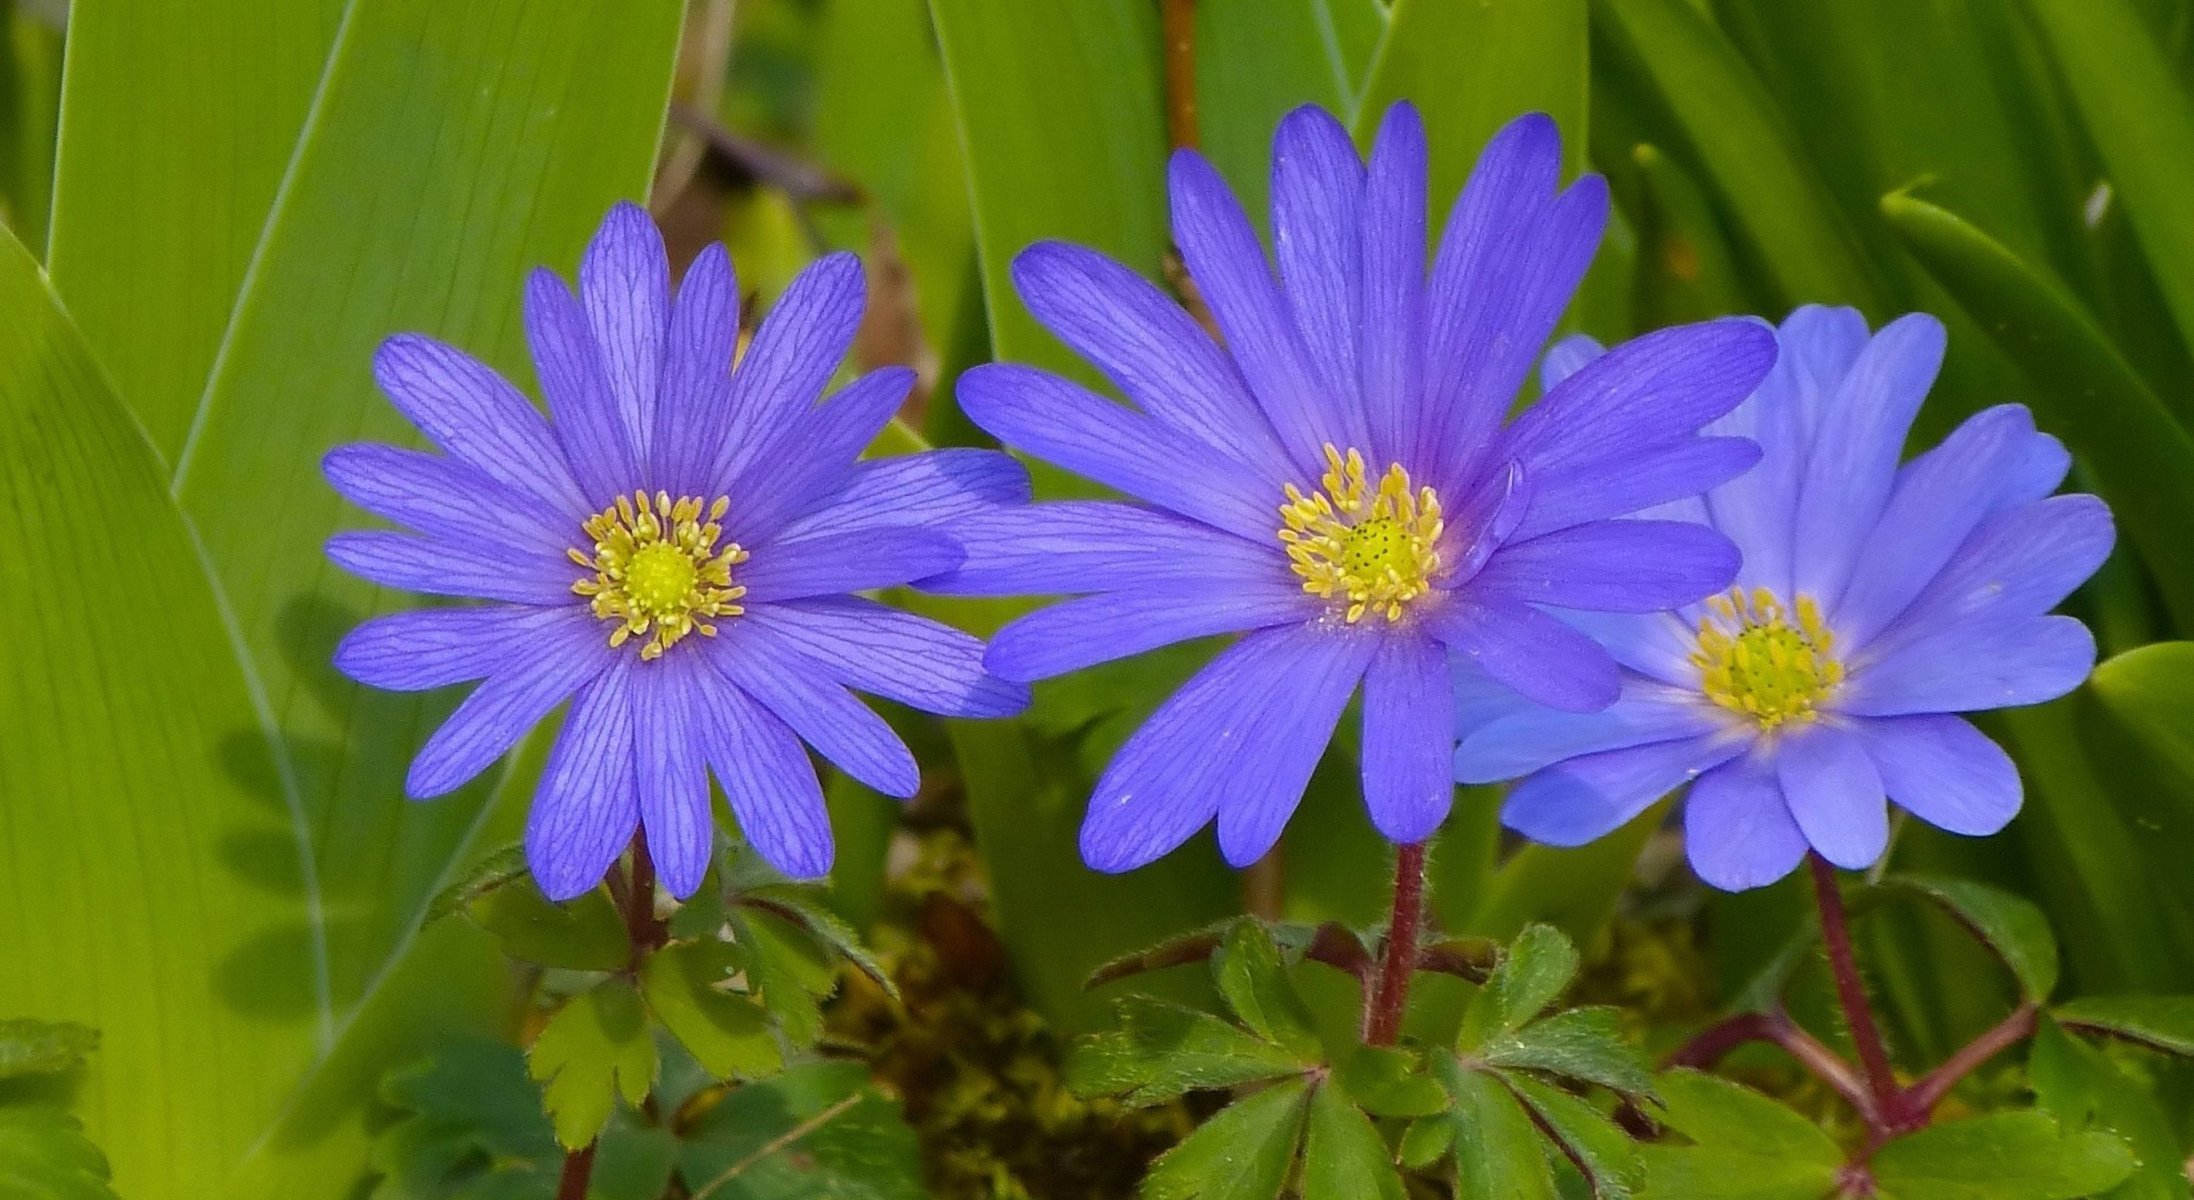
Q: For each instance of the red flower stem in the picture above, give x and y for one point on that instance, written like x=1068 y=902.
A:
x=1777 y=1029
x=1920 y=1102
x=1383 y=1009
x=1177 y=28
x=1881 y=1079
x=578 y=1170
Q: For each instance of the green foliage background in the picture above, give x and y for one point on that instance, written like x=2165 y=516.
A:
x=218 y=207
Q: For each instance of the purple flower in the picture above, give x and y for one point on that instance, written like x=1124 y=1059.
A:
x=1875 y=601
x=1338 y=482
x=672 y=552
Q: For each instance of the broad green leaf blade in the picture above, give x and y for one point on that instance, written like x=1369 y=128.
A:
x=2149 y=691
x=1255 y=60
x=2003 y=1156
x=1243 y=1153
x=1470 y=68
x=30 y=101
x=1256 y=987
x=1343 y=1154
x=594 y=1050
x=2163 y=1023
x=2141 y=121
x=177 y=123
x=2083 y=1089
x=1498 y=1151
x=118 y=806
x=2083 y=391
x=1574 y=889
x=2012 y=926
x=1745 y=1146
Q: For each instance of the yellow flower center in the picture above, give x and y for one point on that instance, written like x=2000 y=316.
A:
x=657 y=573
x=1373 y=548
x=1754 y=662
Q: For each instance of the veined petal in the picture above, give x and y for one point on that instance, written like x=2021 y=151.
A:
x=1098 y=545
x=813 y=455
x=1567 y=357
x=624 y=285
x=1945 y=772
x=1738 y=831
x=1655 y=645
x=2021 y=562
x=1612 y=566
x=1317 y=215
x=1409 y=739
x=1250 y=728
x=1392 y=359
x=503 y=709
x=822 y=712
x=1981 y=664
x=692 y=414
x=769 y=782
x=475 y=415
x=1835 y=794
x=1151 y=347
x=584 y=412
x=897 y=655
x=424 y=648
x=1530 y=651
x=1528 y=737
x=588 y=804
x=1650 y=483
x=444 y=498
x=1072 y=427
x=933 y=488
x=1586 y=798
x=671 y=775
x=855 y=561
x=1094 y=629
x=442 y=567
x=789 y=363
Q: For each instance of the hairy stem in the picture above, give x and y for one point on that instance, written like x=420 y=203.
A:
x=1384 y=1006
x=1920 y=1102
x=1776 y=1028
x=1881 y=1079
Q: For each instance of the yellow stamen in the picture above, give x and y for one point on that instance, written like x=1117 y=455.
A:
x=657 y=572
x=1371 y=549
x=1754 y=662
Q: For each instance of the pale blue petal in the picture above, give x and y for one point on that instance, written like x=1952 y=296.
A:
x=692 y=414
x=933 y=488
x=671 y=774
x=503 y=709
x=1097 y=545
x=1586 y=798
x=1982 y=664
x=1409 y=739
x=1738 y=831
x=1612 y=566
x=1945 y=772
x=1531 y=737
x=1394 y=284
x=1530 y=651
x=424 y=648
x=1317 y=215
x=1835 y=794
x=1095 y=629
x=445 y=498
x=885 y=652
x=583 y=409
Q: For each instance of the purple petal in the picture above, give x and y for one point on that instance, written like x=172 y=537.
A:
x=671 y=774
x=1148 y=344
x=1528 y=737
x=1853 y=461
x=1835 y=794
x=1317 y=218
x=770 y=783
x=444 y=498
x=1230 y=270
x=1098 y=545
x=1945 y=772
x=789 y=363
x=1738 y=832
x=442 y=567
x=1393 y=251
x=1589 y=797
x=836 y=563
x=1409 y=739
x=1612 y=566
x=693 y=411
x=822 y=712
x=503 y=709
x=813 y=456
x=1567 y=357
x=933 y=488
x=1095 y=629
x=582 y=408
x=587 y=805
x=2021 y=562
x=1510 y=259
x=424 y=648
x=473 y=414
x=1074 y=428
x=1652 y=482
x=893 y=654
x=1656 y=645
x=1982 y=664
x=1239 y=739
x=624 y=284
x=1530 y=651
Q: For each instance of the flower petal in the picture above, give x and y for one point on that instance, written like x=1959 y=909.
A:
x=587 y=806
x=624 y=284
x=1738 y=831
x=1393 y=252
x=1098 y=545
x=893 y=654
x=503 y=709
x=1654 y=482
x=1250 y=727
x=1567 y=357
x=1071 y=427
x=445 y=498
x=821 y=711
x=1835 y=794
x=1981 y=664
x=1588 y=797
x=836 y=563
x=1409 y=738
x=671 y=773
x=2021 y=562
x=1317 y=216
x=475 y=415
x=423 y=648
x=934 y=488
x=1530 y=651
x=813 y=456
x=1612 y=566
x=446 y=567
x=769 y=782
x=693 y=410
x=789 y=362
x=1526 y=737
x=1945 y=772
x=1096 y=629
x=584 y=412
x=1150 y=346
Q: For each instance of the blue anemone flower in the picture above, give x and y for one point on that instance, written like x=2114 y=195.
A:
x=1338 y=481
x=672 y=552
x=1876 y=600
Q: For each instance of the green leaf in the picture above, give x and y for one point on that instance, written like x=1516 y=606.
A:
x=801 y=906
x=2146 y=690
x=1573 y=888
x=2163 y=1023
x=1255 y=985
x=2083 y=1089
x=787 y=970
x=177 y=122
x=45 y=1156
x=583 y=934
x=2083 y=390
x=32 y=1047
x=1388 y=1081
x=2003 y=1156
x=1539 y=964
x=494 y=870
x=820 y=1131
x=1255 y=60
x=728 y=1034
x=595 y=1048
x=1498 y=1151
x=1584 y=1044
x=1163 y=1050
x=2012 y=926
x=1594 y=1144
x=1745 y=1146
x=1243 y=1153
x=1343 y=1155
